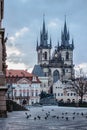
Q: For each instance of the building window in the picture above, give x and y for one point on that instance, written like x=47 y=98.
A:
x=55 y=94
x=24 y=92
x=15 y=93
x=20 y=92
x=58 y=94
x=61 y=94
x=44 y=85
x=67 y=55
x=32 y=93
x=36 y=92
x=68 y=100
x=66 y=70
x=45 y=55
x=74 y=94
x=27 y=92
x=67 y=94
x=56 y=76
x=71 y=94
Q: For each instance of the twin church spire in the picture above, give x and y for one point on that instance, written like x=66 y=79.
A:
x=65 y=37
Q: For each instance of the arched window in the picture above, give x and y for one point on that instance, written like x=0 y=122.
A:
x=49 y=73
x=56 y=76
x=45 y=55
x=67 y=55
x=68 y=100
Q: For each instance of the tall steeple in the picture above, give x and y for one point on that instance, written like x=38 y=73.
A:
x=43 y=23
x=50 y=42
x=44 y=37
x=65 y=35
x=37 y=44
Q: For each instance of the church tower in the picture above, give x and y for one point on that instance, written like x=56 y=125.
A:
x=43 y=48
x=67 y=53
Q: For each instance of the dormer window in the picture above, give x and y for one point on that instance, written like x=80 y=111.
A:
x=34 y=78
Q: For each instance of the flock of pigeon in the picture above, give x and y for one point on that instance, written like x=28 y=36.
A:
x=51 y=114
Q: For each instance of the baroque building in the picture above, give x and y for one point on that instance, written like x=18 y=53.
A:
x=23 y=86
x=3 y=89
x=56 y=66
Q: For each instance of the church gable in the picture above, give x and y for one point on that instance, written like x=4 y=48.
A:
x=23 y=81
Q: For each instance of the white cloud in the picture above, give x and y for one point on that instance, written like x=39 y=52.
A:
x=21 y=32
x=14 y=54
x=13 y=50
x=11 y=39
x=20 y=66
x=12 y=65
x=52 y=24
x=18 y=34
x=81 y=69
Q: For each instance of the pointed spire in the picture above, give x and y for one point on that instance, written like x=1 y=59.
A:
x=50 y=42
x=37 y=44
x=43 y=23
x=65 y=26
x=68 y=36
x=58 y=46
x=72 y=43
x=61 y=37
x=37 y=41
x=65 y=35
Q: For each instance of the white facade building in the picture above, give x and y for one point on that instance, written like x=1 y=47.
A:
x=63 y=92
x=24 y=89
x=25 y=86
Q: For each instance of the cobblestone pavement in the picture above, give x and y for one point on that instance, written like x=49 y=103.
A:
x=46 y=118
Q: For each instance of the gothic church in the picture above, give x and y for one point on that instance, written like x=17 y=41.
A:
x=56 y=66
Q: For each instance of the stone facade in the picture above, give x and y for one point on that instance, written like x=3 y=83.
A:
x=3 y=89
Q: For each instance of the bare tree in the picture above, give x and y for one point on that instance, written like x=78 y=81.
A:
x=80 y=87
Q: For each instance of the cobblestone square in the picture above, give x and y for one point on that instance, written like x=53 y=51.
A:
x=46 y=118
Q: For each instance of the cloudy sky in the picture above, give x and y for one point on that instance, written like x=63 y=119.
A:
x=23 y=22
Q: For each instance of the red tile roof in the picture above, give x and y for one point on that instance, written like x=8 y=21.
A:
x=18 y=73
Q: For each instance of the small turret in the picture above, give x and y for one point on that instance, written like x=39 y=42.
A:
x=72 y=43
x=37 y=45
x=58 y=46
x=50 y=43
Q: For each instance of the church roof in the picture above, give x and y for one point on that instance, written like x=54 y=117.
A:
x=38 y=71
